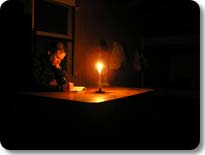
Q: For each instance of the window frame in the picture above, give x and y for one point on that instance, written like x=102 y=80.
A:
x=69 y=36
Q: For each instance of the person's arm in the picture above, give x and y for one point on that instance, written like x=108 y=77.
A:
x=64 y=80
x=44 y=77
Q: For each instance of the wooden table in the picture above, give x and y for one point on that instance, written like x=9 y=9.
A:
x=68 y=120
x=120 y=118
x=90 y=96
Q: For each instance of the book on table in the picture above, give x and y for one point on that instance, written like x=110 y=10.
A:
x=77 y=88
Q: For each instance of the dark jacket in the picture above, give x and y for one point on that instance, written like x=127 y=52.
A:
x=44 y=73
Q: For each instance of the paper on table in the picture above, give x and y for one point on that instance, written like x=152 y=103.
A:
x=78 y=88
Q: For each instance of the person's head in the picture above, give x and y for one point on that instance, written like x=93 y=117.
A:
x=57 y=53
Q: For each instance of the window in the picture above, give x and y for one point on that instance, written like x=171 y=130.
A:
x=54 y=20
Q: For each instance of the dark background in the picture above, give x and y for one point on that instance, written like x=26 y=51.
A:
x=168 y=35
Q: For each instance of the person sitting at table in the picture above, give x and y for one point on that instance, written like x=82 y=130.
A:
x=48 y=74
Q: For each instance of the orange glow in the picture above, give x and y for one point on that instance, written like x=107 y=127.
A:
x=99 y=67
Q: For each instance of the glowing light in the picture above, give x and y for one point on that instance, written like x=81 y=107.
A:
x=99 y=67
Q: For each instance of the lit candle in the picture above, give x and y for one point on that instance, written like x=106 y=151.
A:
x=99 y=67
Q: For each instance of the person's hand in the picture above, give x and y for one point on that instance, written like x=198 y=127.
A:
x=71 y=85
x=57 y=66
x=53 y=83
x=68 y=86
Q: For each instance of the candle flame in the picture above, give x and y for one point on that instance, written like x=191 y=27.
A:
x=99 y=66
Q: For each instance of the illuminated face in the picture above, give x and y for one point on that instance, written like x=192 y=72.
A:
x=56 y=58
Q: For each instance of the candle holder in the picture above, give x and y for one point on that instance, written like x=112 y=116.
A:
x=99 y=91
x=99 y=67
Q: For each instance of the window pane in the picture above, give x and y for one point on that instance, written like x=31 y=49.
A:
x=50 y=17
